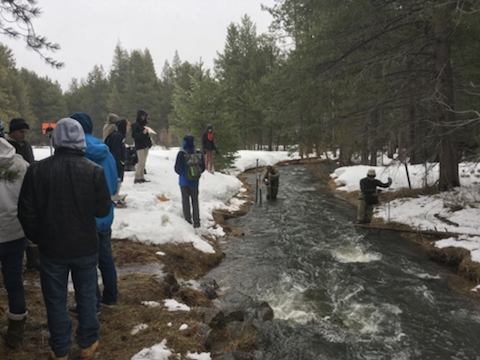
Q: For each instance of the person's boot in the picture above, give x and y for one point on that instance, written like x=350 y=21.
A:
x=55 y=357
x=16 y=328
x=33 y=256
x=87 y=354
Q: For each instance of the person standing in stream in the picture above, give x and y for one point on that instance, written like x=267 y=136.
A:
x=142 y=144
x=368 y=197
x=208 y=147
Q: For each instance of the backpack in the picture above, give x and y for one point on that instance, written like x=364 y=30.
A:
x=193 y=171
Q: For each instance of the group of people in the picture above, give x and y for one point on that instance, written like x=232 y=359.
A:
x=64 y=205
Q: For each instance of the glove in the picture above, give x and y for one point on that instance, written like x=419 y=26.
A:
x=389 y=181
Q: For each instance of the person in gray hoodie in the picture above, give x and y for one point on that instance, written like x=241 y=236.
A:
x=59 y=200
x=12 y=239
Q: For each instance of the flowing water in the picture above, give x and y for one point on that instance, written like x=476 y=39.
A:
x=339 y=292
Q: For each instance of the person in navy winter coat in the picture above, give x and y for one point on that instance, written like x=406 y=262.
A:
x=189 y=188
x=116 y=143
x=100 y=154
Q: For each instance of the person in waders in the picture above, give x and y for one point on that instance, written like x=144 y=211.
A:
x=368 y=197
x=271 y=178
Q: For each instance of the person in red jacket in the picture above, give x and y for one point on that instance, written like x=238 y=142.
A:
x=208 y=146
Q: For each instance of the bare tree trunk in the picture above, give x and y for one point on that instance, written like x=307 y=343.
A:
x=449 y=176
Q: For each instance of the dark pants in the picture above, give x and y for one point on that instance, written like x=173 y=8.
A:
x=106 y=265
x=54 y=280
x=11 y=258
x=190 y=192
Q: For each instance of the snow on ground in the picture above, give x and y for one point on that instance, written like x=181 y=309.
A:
x=149 y=219
x=461 y=205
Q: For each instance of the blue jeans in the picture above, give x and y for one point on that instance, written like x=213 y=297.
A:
x=54 y=280
x=11 y=258
x=107 y=269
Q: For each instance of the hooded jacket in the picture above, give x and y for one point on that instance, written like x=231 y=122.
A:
x=142 y=141
x=10 y=227
x=207 y=144
x=110 y=126
x=180 y=163
x=61 y=196
x=116 y=142
x=99 y=153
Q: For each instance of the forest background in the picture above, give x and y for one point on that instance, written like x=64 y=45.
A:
x=350 y=77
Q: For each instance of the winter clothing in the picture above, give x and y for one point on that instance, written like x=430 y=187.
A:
x=24 y=148
x=10 y=228
x=142 y=144
x=18 y=124
x=142 y=141
x=208 y=147
x=207 y=139
x=189 y=188
x=16 y=328
x=60 y=188
x=273 y=176
x=99 y=153
x=110 y=125
x=59 y=200
x=12 y=242
x=368 y=196
x=116 y=143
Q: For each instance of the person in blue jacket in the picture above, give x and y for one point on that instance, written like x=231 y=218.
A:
x=99 y=153
x=189 y=188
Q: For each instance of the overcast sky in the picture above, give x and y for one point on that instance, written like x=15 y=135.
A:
x=89 y=30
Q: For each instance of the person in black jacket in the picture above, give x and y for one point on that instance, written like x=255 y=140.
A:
x=368 y=197
x=16 y=136
x=59 y=200
x=142 y=144
x=116 y=143
x=208 y=147
x=17 y=133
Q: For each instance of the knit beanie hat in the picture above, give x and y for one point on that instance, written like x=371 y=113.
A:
x=68 y=133
x=2 y=129
x=371 y=172
x=18 y=124
x=112 y=118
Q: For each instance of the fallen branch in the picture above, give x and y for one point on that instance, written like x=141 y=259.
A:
x=415 y=231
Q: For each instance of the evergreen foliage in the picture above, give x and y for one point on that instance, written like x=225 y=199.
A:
x=348 y=78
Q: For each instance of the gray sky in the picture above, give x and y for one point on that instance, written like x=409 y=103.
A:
x=89 y=30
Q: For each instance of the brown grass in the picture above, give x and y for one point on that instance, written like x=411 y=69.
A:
x=116 y=340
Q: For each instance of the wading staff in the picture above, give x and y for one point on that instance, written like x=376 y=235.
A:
x=256 y=179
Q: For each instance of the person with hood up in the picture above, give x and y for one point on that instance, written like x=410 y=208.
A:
x=189 y=184
x=368 y=197
x=271 y=178
x=208 y=147
x=59 y=200
x=110 y=126
x=99 y=153
x=116 y=143
x=142 y=144
x=12 y=239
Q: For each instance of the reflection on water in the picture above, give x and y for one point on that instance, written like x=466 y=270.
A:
x=339 y=293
